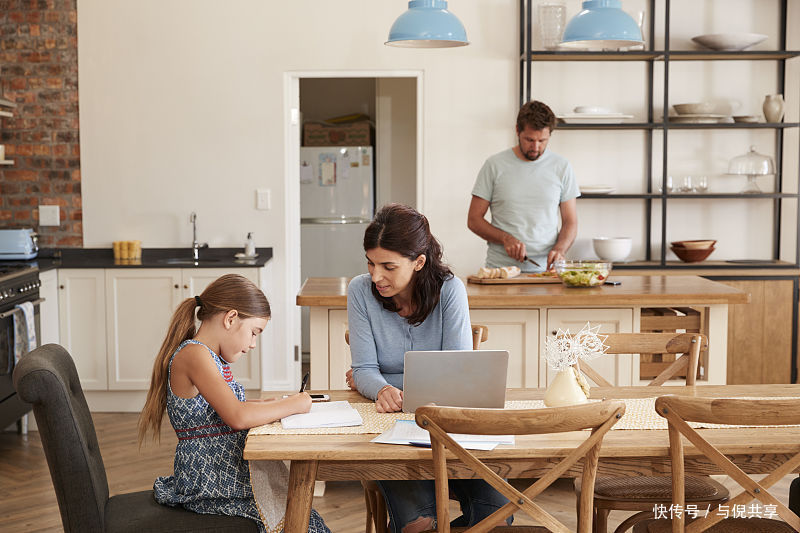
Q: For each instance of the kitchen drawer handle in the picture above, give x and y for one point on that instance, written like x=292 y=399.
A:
x=177 y=286
x=554 y=332
x=61 y=287
x=185 y=286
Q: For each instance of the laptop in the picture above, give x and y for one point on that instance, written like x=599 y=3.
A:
x=456 y=378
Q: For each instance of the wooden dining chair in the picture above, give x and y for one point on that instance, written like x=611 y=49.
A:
x=679 y=412
x=377 y=517
x=642 y=493
x=439 y=421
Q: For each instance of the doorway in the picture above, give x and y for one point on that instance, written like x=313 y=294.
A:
x=391 y=102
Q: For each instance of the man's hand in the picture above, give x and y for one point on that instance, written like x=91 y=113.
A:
x=515 y=248
x=553 y=256
x=348 y=377
x=390 y=400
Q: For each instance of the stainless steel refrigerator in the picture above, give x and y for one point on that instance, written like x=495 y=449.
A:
x=337 y=201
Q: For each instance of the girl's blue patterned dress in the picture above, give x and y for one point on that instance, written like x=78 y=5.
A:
x=211 y=476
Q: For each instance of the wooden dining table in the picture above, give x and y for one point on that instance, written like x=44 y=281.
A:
x=623 y=453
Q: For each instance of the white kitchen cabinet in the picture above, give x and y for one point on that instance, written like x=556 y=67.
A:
x=113 y=322
x=48 y=309
x=517 y=331
x=82 y=323
x=139 y=305
x=621 y=370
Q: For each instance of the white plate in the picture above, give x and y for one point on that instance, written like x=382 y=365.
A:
x=747 y=118
x=596 y=189
x=612 y=118
x=240 y=255
x=729 y=41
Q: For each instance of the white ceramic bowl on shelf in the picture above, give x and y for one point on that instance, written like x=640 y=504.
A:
x=701 y=108
x=612 y=248
x=729 y=41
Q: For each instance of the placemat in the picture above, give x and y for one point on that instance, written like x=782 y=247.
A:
x=640 y=413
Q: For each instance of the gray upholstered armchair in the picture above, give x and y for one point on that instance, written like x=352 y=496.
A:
x=47 y=378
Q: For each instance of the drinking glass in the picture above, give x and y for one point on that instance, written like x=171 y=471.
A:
x=689 y=184
x=551 y=18
x=701 y=183
x=669 y=185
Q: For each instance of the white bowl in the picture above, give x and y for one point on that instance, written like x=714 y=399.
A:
x=592 y=110
x=612 y=248
x=702 y=108
x=729 y=41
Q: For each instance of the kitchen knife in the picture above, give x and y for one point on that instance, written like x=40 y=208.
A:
x=531 y=260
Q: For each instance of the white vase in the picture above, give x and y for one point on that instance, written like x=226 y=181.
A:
x=565 y=390
x=773 y=107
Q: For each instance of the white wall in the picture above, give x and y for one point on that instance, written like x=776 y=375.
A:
x=181 y=109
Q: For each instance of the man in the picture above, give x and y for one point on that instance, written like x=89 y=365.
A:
x=527 y=188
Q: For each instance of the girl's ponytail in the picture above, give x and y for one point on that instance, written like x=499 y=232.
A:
x=181 y=327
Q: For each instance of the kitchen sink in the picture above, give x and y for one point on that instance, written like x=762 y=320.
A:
x=182 y=261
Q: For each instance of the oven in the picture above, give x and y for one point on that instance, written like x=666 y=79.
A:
x=19 y=282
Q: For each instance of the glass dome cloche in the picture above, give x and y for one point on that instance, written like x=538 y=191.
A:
x=752 y=164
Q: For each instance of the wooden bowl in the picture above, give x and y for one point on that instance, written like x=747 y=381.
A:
x=688 y=255
x=694 y=245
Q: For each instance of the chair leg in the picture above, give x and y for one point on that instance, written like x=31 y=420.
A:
x=794 y=496
x=600 y=524
x=632 y=520
x=368 y=501
x=377 y=516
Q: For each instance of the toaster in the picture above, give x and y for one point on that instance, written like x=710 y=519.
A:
x=18 y=244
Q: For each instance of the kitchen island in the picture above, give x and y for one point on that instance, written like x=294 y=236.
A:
x=520 y=316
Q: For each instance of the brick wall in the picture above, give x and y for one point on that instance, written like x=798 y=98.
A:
x=39 y=71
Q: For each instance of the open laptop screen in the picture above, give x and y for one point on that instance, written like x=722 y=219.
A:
x=456 y=378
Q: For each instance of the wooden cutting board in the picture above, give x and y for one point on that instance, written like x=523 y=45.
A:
x=522 y=278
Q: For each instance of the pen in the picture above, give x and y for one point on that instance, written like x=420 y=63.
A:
x=304 y=382
x=420 y=444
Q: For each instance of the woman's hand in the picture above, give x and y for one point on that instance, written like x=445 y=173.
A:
x=348 y=377
x=390 y=400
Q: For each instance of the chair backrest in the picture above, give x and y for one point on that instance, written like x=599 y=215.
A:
x=680 y=410
x=479 y=334
x=46 y=377
x=439 y=421
x=689 y=345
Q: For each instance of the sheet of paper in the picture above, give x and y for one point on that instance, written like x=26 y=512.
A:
x=407 y=431
x=306 y=173
x=324 y=415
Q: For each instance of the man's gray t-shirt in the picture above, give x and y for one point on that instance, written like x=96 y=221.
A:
x=524 y=198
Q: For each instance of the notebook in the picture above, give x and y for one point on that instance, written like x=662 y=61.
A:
x=457 y=378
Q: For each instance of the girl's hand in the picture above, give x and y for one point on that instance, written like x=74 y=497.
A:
x=301 y=403
x=390 y=400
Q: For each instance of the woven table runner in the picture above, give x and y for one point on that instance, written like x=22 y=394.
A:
x=640 y=413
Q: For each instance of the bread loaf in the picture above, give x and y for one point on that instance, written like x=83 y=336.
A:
x=498 y=273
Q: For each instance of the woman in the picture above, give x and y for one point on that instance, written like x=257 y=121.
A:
x=410 y=300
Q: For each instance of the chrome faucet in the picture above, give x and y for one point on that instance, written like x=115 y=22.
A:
x=195 y=245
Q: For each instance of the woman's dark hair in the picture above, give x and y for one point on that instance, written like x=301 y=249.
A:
x=537 y=115
x=402 y=229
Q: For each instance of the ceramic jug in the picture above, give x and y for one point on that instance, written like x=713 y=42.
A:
x=773 y=107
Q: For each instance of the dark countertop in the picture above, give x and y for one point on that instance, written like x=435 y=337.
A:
x=49 y=259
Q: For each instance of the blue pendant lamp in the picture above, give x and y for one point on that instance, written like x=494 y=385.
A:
x=601 y=24
x=427 y=24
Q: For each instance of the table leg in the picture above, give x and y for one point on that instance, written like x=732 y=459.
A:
x=717 y=344
x=302 y=475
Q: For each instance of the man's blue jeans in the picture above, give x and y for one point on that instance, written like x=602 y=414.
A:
x=406 y=501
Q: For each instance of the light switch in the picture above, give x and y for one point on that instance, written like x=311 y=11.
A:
x=49 y=215
x=263 y=199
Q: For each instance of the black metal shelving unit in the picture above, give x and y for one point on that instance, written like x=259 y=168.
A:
x=528 y=57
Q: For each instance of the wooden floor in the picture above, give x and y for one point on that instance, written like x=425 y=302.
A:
x=28 y=502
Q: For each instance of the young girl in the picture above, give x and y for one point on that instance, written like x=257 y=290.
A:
x=192 y=381
x=410 y=300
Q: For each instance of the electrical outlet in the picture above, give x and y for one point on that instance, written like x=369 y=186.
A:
x=49 y=215
x=263 y=199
